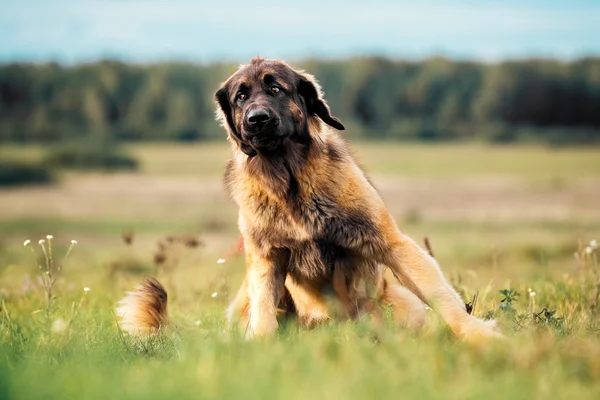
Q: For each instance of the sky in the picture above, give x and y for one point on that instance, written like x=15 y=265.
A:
x=205 y=31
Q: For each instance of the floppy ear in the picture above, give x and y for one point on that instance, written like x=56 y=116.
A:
x=315 y=104
x=225 y=116
x=224 y=112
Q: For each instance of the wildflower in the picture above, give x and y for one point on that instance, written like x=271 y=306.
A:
x=220 y=261
x=589 y=250
x=593 y=244
x=26 y=243
x=427 y=308
x=49 y=237
x=197 y=323
x=86 y=289
x=41 y=241
x=213 y=295
x=73 y=241
x=532 y=294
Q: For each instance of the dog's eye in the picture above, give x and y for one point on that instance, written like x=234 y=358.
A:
x=275 y=89
x=240 y=96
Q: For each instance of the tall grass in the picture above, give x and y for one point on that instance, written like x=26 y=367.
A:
x=539 y=277
x=553 y=351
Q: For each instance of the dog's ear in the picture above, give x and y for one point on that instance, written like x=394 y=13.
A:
x=315 y=104
x=225 y=116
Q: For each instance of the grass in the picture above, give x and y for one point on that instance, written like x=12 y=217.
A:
x=406 y=160
x=442 y=161
x=499 y=218
x=438 y=161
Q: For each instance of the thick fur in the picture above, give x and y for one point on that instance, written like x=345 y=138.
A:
x=143 y=310
x=312 y=222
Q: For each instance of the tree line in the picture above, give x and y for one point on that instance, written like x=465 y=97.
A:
x=376 y=98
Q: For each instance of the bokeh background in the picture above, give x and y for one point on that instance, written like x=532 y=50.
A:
x=478 y=122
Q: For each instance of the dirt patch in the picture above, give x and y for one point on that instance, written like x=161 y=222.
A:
x=135 y=197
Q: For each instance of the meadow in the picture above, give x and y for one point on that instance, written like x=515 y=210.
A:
x=515 y=224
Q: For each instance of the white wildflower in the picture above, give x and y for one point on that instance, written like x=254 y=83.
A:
x=588 y=250
x=73 y=241
x=594 y=244
x=49 y=237
x=86 y=289
x=26 y=243
x=41 y=241
x=214 y=295
x=531 y=294
x=220 y=261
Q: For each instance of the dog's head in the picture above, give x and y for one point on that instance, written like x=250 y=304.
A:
x=266 y=103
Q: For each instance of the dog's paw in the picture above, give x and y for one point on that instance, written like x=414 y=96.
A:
x=478 y=331
x=261 y=329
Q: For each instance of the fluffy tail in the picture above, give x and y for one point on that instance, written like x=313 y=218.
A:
x=144 y=310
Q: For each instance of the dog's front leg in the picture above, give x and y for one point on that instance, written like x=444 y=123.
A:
x=420 y=273
x=266 y=277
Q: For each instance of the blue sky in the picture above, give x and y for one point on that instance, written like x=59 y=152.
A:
x=204 y=31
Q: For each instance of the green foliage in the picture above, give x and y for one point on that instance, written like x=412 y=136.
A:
x=16 y=173
x=553 y=343
x=92 y=154
x=506 y=303
x=435 y=99
x=547 y=317
x=510 y=295
x=90 y=358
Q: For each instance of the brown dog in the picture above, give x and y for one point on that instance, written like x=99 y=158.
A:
x=312 y=222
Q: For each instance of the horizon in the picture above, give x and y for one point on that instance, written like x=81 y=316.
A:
x=159 y=31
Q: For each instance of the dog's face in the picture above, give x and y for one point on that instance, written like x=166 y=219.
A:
x=266 y=103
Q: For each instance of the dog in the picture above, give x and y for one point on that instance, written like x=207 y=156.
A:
x=313 y=225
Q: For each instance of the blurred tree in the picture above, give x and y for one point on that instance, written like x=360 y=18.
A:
x=435 y=99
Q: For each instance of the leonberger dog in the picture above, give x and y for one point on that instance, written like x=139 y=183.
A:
x=315 y=229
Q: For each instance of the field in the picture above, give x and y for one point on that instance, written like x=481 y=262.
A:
x=498 y=218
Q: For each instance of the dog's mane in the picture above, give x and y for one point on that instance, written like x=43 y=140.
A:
x=279 y=169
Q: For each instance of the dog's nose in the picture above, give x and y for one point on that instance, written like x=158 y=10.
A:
x=258 y=117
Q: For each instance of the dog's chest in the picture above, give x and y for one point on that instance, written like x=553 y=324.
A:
x=307 y=221
x=293 y=221
x=303 y=227
x=283 y=221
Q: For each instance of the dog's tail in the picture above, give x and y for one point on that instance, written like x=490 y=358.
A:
x=143 y=310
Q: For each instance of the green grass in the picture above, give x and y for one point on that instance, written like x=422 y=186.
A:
x=472 y=160
x=92 y=359
x=437 y=161
x=405 y=160
x=553 y=193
